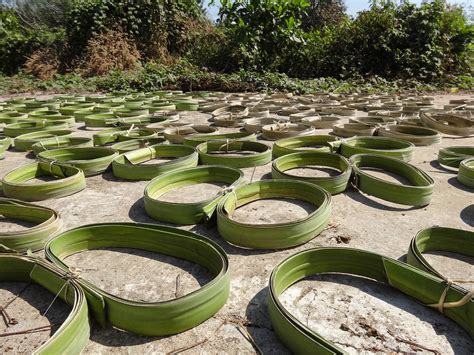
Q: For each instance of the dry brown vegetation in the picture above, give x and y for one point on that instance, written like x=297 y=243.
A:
x=43 y=63
x=108 y=51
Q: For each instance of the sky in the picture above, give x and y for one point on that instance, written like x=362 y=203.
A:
x=353 y=6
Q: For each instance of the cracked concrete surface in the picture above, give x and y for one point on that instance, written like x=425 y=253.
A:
x=358 y=314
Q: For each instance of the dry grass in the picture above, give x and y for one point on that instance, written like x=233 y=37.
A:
x=108 y=51
x=43 y=63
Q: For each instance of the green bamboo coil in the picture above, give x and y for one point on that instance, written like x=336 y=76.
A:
x=347 y=130
x=186 y=105
x=16 y=129
x=5 y=144
x=420 y=285
x=191 y=212
x=25 y=142
x=148 y=318
x=226 y=153
x=91 y=161
x=176 y=135
x=439 y=239
x=47 y=224
x=60 y=142
x=420 y=136
x=195 y=140
x=141 y=133
x=282 y=166
x=72 y=335
x=418 y=193
x=285 y=130
x=108 y=136
x=68 y=180
x=389 y=147
x=453 y=156
x=466 y=173
x=129 y=166
x=70 y=120
x=322 y=143
x=273 y=236
x=134 y=144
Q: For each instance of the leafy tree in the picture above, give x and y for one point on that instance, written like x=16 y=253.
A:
x=324 y=12
x=260 y=31
x=42 y=14
x=18 y=41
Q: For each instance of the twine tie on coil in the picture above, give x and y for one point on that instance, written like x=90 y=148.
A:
x=72 y=275
x=441 y=305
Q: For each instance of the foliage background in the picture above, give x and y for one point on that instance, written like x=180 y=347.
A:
x=172 y=42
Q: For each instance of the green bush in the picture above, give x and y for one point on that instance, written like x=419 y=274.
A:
x=184 y=76
x=17 y=41
x=304 y=39
x=261 y=32
x=152 y=24
x=388 y=40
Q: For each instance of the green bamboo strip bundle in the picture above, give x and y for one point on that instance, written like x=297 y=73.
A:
x=234 y=153
x=196 y=139
x=282 y=166
x=322 y=122
x=466 y=173
x=177 y=135
x=456 y=303
x=449 y=124
x=25 y=142
x=72 y=335
x=60 y=142
x=374 y=121
x=12 y=117
x=255 y=124
x=70 y=120
x=419 y=136
x=148 y=318
x=285 y=130
x=439 y=239
x=47 y=224
x=134 y=144
x=91 y=161
x=390 y=147
x=16 y=129
x=129 y=166
x=323 y=143
x=279 y=235
x=186 y=105
x=192 y=212
x=418 y=193
x=67 y=181
x=347 y=130
x=453 y=156
x=5 y=144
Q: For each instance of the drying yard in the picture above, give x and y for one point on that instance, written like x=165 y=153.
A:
x=357 y=314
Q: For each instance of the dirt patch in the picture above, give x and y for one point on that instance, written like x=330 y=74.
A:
x=233 y=153
x=360 y=315
x=273 y=211
x=387 y=176
x=27 y=304
x=313 y=171
x=42 y=178
x=139 y=275
x=461 y=267
x=14 y=225
x=157 y=161
x=193 y=193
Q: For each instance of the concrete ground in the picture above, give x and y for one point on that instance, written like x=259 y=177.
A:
x=357 y=314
